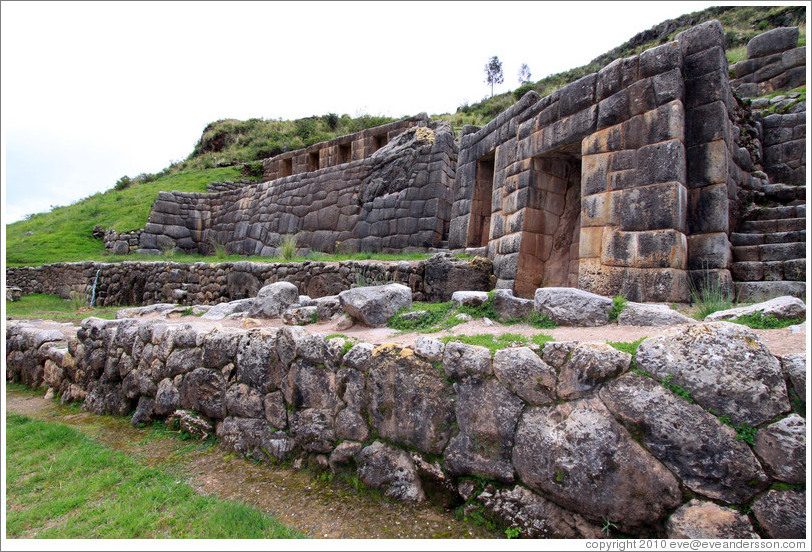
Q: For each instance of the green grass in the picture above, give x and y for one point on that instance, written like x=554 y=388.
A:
x=54 y=307
x=62 y=484
x=64 y=233
x=759 y=321
x=496 y=342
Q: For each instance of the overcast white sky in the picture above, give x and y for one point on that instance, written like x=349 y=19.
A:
x=93 y=91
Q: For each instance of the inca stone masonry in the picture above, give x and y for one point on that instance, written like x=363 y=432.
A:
x=638 y=179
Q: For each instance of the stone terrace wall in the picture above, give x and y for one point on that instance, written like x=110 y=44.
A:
x=352 y=147
x=146 y=283
x=774 y=62
x=393 y=200
x=565 y=438
x=784 y=146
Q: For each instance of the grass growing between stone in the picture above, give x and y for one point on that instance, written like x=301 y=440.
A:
x=62 y=484
x=53 y=307
x=760 y=321
x=496 y=342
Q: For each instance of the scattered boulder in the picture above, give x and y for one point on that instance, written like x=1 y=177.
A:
x=794 y=367
x=535 y=516
x=469 y=298
x=782 y=514
x=429 y=348
x=327 y=308
x=137 y=312
x=273 y=299
x=583 y=367
x=780 y=307
x=705 y=520
x=510 y=307
x=390 y=470
x=692 y=443
x=723 y=366
x=782 y=449
x=300 y=316
x=563 y=452
x=525 y=374
x=650 y=314
x=573 y=307
x=375 y=305
x=221 y=310
x=444 y=274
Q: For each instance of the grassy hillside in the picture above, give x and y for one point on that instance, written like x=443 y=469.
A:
x=231 y=149
x=64 y=233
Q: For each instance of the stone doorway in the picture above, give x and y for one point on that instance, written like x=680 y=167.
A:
x=479 y=224
x=548 y=256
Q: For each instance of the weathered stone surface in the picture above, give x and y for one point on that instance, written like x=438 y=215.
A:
x=181 y=361
x=794 y=367
x=705 y=520
x=723 y=366
x=244 y=402
x=487 y=414
x=469 y=298
x=573 y=307
x=344 y=454
x=391 y=470
x=583 y=367
x=535 y=516
x=350 y=424
x=134 y=312
x=276 y=413
x=782 y=514
x=318 y=350
x=273 y=299
x=429 y=348
x=221 y=310
x=143 y=412
x=257 y=360
x=327 y=307
x=565 y=452
x=648 y=314
x=220 y=347
x=300 y=316
x=375 y=305
x=702 y=451
x=444 y=274
x=780 y=307
x=409 y=400
x=312 y=429
x=770 y=42
x=308 y=385
x=191 y=423
x=106 y=398
x=358 y=356
x=204 y=391
x=461 y=360
x=167 y=398
x=510 y=307
x=782 y=449
x=522 y=371
x=253 y=438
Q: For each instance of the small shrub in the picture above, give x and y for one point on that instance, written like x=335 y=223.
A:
x=522 y=90
x=288 y=246
x=618 y=304
x=123 y=183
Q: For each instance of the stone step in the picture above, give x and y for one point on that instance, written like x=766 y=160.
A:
x=756 y=292
x=775 y=213
x=772 y=225
x=769 y=252
x=783 y=193
x=759 y=239
x=753 y=271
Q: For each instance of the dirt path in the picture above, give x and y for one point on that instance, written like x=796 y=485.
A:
x=319 y=509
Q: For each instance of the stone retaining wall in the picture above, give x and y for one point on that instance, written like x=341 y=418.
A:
x=774 y=62
x=564 y=442
x=396 y=199
x=784 y=146
x=146 y=283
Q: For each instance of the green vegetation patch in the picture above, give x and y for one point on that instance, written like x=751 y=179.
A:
x=62 y=484
x=53 y=307
x=496 y=342
x=760 y=321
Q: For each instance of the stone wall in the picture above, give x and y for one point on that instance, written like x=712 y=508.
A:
x=146 y=283
x=774 y=62
x=784 y=147
x=396 y=199
x=559 y=442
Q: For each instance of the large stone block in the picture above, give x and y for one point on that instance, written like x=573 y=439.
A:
x=655 y=207
x=662 y=162
x=773 y=41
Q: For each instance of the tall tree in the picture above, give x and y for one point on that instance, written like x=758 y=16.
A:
x=524 y=74
x=493 y=73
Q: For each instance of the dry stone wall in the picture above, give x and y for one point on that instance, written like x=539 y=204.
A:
x=784 y=147
x=774 y=62
x=560 y=442
x=396 y=199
